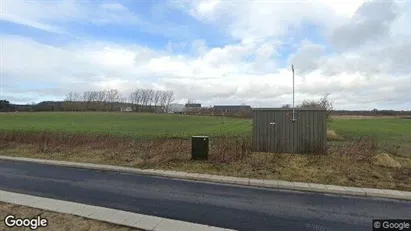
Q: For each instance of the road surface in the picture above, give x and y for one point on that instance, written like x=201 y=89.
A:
x=235 y=207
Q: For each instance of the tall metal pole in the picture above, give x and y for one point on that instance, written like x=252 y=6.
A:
x=292 y=68
x=1 y=55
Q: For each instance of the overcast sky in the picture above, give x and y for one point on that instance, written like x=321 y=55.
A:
x=212 y=52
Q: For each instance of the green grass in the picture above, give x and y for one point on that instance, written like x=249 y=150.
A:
x=136 y=124
x=142 y=124
x=393 y=134
x=384 y=129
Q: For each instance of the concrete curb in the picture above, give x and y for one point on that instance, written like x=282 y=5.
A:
x=119 y=217
x=277 y=184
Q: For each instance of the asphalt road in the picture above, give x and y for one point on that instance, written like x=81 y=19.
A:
x=241 y=208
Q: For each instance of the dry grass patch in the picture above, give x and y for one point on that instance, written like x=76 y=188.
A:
x=349 y=163
x=56 y=221
x=385 y=160
x=332 y=136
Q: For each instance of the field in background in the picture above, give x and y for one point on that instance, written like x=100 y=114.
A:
x=362 y=117
x=392 y=133
x=129 y=124
x=152 y=125
x=369 y=152
x=383 y=127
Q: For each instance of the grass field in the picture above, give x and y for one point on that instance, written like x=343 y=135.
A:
x=382 y=128
x=393 y=134
x=382 y=160
x=181 y=125
x=125 y=124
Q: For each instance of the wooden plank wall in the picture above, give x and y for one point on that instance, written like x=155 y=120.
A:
x=308 y=134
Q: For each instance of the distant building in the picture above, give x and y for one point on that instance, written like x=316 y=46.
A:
x=176 y=108
x=127 y=109
x=193 y=105
x=232 y=108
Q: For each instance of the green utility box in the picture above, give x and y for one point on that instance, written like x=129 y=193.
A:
x=199 y=147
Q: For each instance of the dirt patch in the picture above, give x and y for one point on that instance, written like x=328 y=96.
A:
x=385 y=160
x=56 y=221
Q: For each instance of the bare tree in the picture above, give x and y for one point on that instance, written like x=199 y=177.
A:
x=132 y=100
x=150 y=98
x=140 y=97
x=136 y=98
x=144 y=97
x=113 y=96
x=70 y=97
x=286 y=106
x=141 y=100
x=94 y=100
x=156 y=98
x=87 y=97
x=102 y=98
x=147 y=96
x=169 y=99
x=163 y=101
x=323 y=102
x=94 y=96
x=70 y=101
x=77 y=97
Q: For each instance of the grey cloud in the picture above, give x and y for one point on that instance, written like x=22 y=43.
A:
x=391 y=57
x=74 y=66
x=263 y=58
x=200 y=89
x=345 y=64
x=370 y=22
x=398 y=56
x=307 y=58
x=143 y=55
x=18 y=99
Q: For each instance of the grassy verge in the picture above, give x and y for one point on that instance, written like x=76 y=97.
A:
x=355 y=162
x=56 y=221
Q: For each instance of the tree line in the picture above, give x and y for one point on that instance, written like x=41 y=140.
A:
x=142 y=100
x=326 y=104
x=5 y=106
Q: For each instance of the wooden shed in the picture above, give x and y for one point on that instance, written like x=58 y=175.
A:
x=275 y=131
